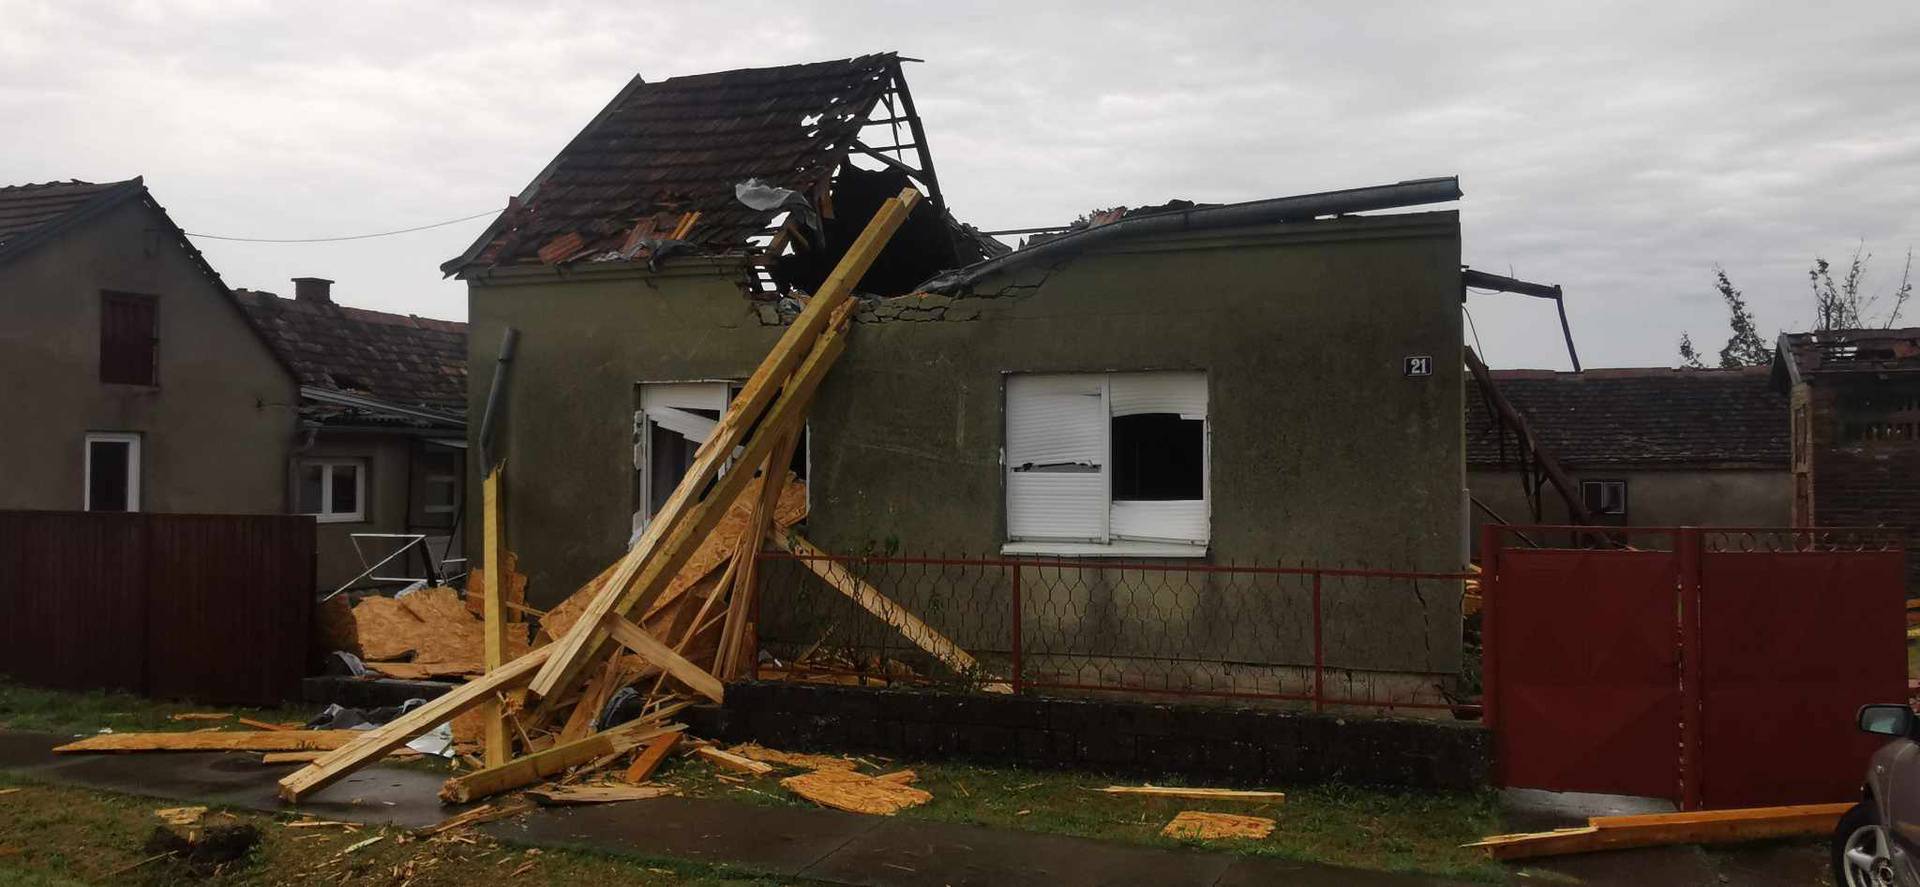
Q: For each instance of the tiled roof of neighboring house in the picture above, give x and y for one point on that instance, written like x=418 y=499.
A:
x=1847 y=351
x=662 y=151
x=1639 y=417
x=396 y=359
x=29 y=213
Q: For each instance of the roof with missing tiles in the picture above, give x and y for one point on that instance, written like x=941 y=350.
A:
x=1846 y=351
x=1653 y=418
x=399 y=359
x=663 y=158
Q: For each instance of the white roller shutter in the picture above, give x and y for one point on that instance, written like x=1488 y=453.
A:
x=1056 y=458
x=1181 y=393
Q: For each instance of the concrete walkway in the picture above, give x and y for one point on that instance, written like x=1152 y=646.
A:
x=822 y=845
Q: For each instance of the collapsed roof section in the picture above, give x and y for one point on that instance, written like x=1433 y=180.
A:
x=1798 y=356
x=755 y=163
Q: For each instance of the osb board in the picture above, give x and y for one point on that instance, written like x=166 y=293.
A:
x=427 y=671
x=855 y=793
x=512 y=591
x=334 y=627
x=757 y=752
x=431 y=624
x=1215 y=826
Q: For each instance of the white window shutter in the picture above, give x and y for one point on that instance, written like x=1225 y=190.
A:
x=1056 y=458
x=1181 y=393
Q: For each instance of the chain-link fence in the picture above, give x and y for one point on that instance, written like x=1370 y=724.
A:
x=1322 y=636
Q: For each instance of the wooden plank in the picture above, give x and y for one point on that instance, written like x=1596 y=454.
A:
x=855 y=793
x=599 y=690
x=747 y=407
x=563 y=795
x=650 y=758
x=1706 y=827
x=251 y=740
x=634 y=638
x=733 y=762
x=308 y=757
x=376 y=743
x=870 y=599
x=529 y=769
x=726 y=659
x=495 y=742
x=1199 y=794
x=1195 y=824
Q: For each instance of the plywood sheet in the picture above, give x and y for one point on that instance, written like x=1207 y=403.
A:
x=855 y=793
x=1215 y=826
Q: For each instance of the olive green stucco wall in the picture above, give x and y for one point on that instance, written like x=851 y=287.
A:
x=217 y=429
x=1322 y=450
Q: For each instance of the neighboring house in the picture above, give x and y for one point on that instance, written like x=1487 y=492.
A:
x=1856 y=428
x=1652 y=447
x=133 y=379
x=381 y=449
x=1252 y=383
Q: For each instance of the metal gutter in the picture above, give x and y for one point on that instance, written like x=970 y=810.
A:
x=1415 y=192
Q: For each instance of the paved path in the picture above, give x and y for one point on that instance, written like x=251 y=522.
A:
x=824 y=845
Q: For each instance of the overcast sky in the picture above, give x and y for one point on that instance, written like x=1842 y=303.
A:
x=1620 y=152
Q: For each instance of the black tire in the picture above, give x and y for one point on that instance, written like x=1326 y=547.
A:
x=1862 y=814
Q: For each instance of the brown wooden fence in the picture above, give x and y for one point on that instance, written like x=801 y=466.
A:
x=210 y=607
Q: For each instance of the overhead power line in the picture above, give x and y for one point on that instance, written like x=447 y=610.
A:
x=347 y=237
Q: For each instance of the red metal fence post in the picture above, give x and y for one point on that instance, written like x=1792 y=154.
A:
x=1018 y=682
x=1319 y=651
x=1687 y=543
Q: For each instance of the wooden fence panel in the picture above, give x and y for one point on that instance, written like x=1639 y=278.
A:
x=73 y=599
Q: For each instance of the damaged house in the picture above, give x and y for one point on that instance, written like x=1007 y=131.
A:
x=1273 y=382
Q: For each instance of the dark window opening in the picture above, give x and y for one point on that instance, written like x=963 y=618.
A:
x=1604 y=497
x=108 y=475
x=129 y=339
x=1158 y=457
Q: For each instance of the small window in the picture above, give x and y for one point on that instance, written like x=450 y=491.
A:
x=113 y=472
x=334 y=490
x=442 y=494
x=1604 y=496
x=1107 y=463
x=129 y=339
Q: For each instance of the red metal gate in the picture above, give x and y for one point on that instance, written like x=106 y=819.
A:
x=1721 y=669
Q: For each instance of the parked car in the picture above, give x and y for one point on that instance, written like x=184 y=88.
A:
x=1877 y=843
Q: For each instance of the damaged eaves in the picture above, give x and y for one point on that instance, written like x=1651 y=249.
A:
x=656 y=175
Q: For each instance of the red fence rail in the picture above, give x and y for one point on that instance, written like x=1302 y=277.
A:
x=1324 y=636
x=215 y=608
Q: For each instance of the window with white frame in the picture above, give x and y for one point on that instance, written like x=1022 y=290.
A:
x=1604 y=497
x=674 y=419
x=112 y=481
x=333 y=490
x=1107 y=463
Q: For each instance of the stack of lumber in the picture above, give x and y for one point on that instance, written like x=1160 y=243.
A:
x=1704 y=827
x=425 y=634
x=671 y=619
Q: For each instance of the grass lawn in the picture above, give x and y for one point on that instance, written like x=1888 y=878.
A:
x=58 y=711
x=55 y=836
x=1402 y=831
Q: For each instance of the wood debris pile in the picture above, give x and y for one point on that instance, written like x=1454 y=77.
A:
x=670 y=621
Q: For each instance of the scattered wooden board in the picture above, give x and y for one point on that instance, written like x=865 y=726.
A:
x=899 y=777
x=265 y=725
x=308 y=757
x=562 y=795
x=1215 y=826
x=1197 y=794
x=1703 y=827
x=540 y=765
x=732 y=761
x=201 y=716
x=854 y=792
x=650 y=758
x=263 y=740
x=757 y=752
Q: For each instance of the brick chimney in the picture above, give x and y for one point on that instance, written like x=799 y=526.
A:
x=313 y=289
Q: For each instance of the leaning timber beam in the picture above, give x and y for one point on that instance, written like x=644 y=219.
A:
x=588 y=636
x=1562 y=483
x=532 y=768
x=376 y=743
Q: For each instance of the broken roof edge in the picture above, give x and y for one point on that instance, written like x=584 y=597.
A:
x=1413 y=192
